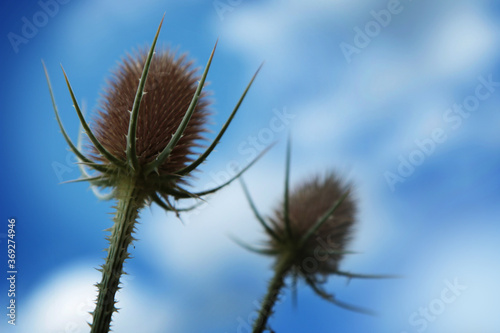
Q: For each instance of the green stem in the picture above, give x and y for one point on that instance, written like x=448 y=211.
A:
x=130 y=200
x=273 y=291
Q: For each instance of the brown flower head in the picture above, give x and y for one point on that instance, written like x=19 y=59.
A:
x=308 y=234
x=150 y=117
x=309 y=203
x=169 y=89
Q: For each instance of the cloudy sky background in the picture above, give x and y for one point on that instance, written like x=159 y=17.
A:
x=360 y=115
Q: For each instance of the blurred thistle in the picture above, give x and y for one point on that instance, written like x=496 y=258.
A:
x=308 y=235
x=152 y=114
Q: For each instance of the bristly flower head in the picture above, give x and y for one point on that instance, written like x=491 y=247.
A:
x=309 y=231
x=170 y=86
x=309 y=203
x=150 y=117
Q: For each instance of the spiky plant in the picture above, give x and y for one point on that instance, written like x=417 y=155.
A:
x=307 y=235
x=151 y=116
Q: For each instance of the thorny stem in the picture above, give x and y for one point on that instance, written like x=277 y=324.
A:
x=273 y=291
x=130 y=200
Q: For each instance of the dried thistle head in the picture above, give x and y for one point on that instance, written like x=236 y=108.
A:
x=170 y=86
x=169 y=89
x=309 y=231
x=309 y=203
x=150 y=117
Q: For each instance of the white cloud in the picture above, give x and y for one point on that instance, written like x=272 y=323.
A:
x=461 y=42
x=281 y=34
x=202 y=243
x=455 y=256
x=62 y=303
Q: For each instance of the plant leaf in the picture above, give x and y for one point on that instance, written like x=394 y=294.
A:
x=237 y=175
x=63 y=131
x=267 y=252
x=110 y=157
x=154 y=165
x=332 y=299
x=365 y=276
x=268 y=229
x=134 y=114
x=286 y=208
x=209 y=150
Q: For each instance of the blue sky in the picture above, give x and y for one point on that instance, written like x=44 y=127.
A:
x=409 y=114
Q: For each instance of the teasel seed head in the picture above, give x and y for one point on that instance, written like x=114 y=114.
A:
x=309 y=231
x=308 y=203
x=151 y=116
x=168 y=91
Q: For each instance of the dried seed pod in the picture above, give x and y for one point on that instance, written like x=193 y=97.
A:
x=169 y=89
x=308 y=203
x=308 y=234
